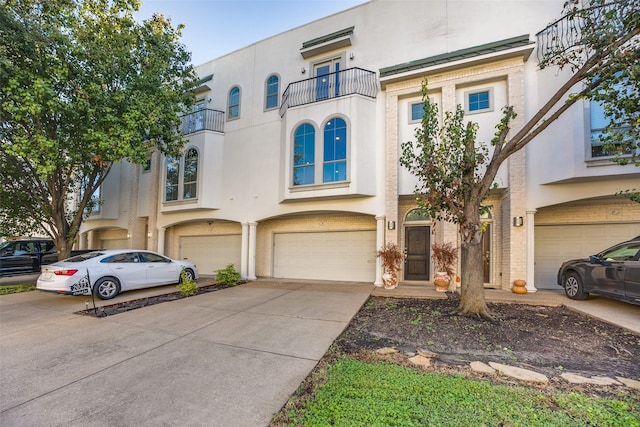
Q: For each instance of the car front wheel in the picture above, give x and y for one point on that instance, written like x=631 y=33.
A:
x=188 y=274
x=107 y=288
x=573 y=287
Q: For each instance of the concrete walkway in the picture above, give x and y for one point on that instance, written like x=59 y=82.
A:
x=227 y=358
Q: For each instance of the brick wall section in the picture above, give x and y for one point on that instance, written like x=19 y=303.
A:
x=605 y=211
x=509 y=246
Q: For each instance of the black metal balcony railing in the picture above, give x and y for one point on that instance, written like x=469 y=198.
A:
x=566 y=33
x=202 y=120
x=351 y=81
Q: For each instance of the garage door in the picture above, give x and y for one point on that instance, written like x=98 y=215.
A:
x=344 y=255
x=114 y=244
x=555 y=244
x=211 y=253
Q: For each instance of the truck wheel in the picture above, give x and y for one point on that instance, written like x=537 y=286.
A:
x=107 y=288
x=573 y=287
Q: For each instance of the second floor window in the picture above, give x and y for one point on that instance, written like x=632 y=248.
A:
x=182 y=177
x=332 y=149
x=271 y=93
x=304 y=155
x=233 y=111
x=599 y=122
x=335 y=151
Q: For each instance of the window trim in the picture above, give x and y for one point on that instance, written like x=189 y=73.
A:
x=319 y=162
x=267 y=95
x=468 y=93
x=181 y=161
x=230 y=106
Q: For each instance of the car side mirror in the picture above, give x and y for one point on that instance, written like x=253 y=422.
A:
x=594 y=259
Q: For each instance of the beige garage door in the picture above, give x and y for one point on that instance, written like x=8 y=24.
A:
x=114 y=244
x=344 y=255
x=211 y=253
x=555 y=244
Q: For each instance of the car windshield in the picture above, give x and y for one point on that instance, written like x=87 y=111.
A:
x=83 y=257
x=626 y=252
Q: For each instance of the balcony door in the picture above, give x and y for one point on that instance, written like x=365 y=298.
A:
x=327 y=79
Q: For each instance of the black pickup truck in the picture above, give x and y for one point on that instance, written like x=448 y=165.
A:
x=27 y=256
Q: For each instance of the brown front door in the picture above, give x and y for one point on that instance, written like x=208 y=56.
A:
x=417 y=245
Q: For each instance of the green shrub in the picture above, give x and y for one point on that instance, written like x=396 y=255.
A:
x=187 y=287
x=228 y=276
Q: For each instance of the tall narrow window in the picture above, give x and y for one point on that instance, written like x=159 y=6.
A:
x=190 y=178
x=173 y=177
x=599 y=122
x=273 y=85
x=304 y=155
x=335 y=151
x=234 y=103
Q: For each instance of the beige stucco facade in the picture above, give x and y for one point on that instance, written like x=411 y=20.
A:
x=364 y=68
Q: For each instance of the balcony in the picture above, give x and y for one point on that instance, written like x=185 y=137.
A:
x=205 y=119
x=352 y=81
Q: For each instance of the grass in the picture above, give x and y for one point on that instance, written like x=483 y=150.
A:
x=356 y=393
x=14 y=289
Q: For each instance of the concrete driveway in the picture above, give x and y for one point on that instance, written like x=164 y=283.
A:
x=227 y=358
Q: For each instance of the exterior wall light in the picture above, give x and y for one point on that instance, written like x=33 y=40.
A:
x=391 y=225
x=518 y=221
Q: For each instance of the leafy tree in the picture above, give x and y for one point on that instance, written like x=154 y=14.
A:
x=456 y=173
x=82 y=86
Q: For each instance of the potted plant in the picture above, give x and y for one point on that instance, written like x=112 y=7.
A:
x=444 y=257
x=391 y=262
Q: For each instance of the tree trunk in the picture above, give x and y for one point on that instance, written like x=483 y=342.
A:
x=472 y=300
x=63 y=247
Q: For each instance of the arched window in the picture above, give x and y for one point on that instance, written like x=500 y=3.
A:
x=172 y=179
x=304 y=155
x=233 y=111
x=335 y=151
x=272 y=92
x=190 y=177
x=182 y=177
x=417 y=215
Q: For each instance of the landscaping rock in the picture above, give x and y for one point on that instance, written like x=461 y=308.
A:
x=634 y=384
x=519 y=373
x=428 y=354
x=386 y=350
x=482 y=368
x=421 y=361
x=579 y=379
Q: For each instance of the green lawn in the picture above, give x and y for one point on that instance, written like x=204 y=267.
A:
x=14 y=289
x=381 y=394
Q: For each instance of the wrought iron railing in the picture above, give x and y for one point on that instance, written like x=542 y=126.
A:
x=351 y=81
x=204 y=119
x=567 y=32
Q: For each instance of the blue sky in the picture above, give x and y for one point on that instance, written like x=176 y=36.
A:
x=217 y=27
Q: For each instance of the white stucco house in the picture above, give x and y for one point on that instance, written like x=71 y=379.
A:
x=291 y=168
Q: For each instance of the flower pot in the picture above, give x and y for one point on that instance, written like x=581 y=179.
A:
x=390 y=280
x=441 y=280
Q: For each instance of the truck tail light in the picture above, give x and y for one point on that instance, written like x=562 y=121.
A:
x=65 y=272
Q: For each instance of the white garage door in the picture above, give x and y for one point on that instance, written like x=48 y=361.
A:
x=114 y=244
x=211 y=253
x=344 y=255
x=555 y=244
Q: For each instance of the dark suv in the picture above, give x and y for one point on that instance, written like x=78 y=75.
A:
x=614 y=272
x=26 y=256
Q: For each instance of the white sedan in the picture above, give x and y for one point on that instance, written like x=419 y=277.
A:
x=109 y=272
